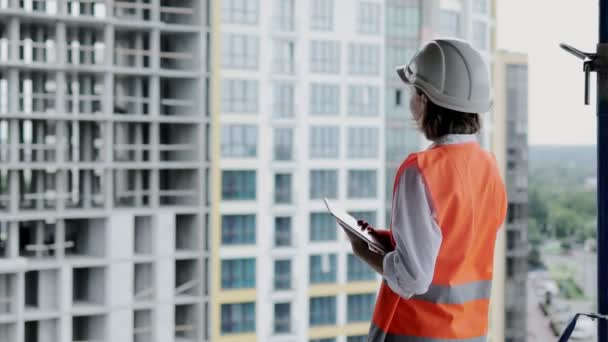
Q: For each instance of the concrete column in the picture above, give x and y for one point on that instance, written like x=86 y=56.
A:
x=65 y=303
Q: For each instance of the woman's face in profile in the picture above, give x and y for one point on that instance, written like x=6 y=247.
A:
x=417 y=103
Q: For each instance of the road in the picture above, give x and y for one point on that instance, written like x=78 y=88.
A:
x=538 y=324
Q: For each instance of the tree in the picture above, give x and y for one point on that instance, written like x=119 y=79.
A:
x=537 y=207
x=535 y=237
x=566 y=222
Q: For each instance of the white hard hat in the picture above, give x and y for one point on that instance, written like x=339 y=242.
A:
x=452 y=74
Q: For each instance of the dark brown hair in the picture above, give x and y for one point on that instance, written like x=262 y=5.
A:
x=438 y=121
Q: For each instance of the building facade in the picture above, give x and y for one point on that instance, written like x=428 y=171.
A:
x=105 y=126
x=301 y=119
x=511 y=146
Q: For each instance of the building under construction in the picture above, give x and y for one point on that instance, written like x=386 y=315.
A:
x=104 y=170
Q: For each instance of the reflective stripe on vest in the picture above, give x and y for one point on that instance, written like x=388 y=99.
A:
x=376 y=334
x=456 y=294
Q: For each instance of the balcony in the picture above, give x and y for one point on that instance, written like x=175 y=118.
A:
x=142 y=326
x=88 y=288
x=37 y=240
x=87 y=8
x=131 y=142
x=180 y=97
x=44 y=330
x=89 y=328
x=143 y=236
x=186 y=323
x=8 y=296
x=182 y=12
x=131 y=188
x=87 y=238
x=143 y=282
x=38 y=189
x=84 y=94
x=131 y=96
x=179 y=142
x=187 y=278
x=132 y=49
x=179 y=188
x=187 y=233
x=180 y=52
x=41 y=291
x=132 y=10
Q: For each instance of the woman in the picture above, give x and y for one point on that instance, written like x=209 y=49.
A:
x=448 y=204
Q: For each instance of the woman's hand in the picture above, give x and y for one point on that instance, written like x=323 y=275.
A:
x=362 y=251
x=383 y=236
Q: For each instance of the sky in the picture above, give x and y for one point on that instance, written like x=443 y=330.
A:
x=557 y=113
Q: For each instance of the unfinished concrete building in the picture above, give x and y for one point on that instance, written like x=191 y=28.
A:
x=104 y=170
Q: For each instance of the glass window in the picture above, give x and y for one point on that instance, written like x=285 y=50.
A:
x=238 y=229
x=323 y=268
x=325 y=57
x=282 y=318
x=322 y=311
x=239 y=140
x=284 y=15
x=283 y=100
x=324 y=99
x=240 y=51
x=400 y=142
x=357 y=270
x=282 y=188
x=363 y=101
x=323 y=183
x=240 y=11
x=450 y=23
x=324 y=142
x=238 y=318
x=360 y=307
x=283 y=144
x=282 y=274
x=396 y=56
x=238 y=274
x=282 y=231
x=363 y=142
x=322 y=15
x=480 y=35
x=238 y=185
x=362 y=184
x=283 y=61
x=480 y=6
x=369 y=216
x=404 y=20
x=240 y=96
x=364 y=59
x=368 y=17
x=322 y=227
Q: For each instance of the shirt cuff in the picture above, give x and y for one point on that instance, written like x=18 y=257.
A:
x=391 y=275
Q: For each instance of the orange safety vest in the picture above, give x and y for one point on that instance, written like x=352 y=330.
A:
x=470 y=203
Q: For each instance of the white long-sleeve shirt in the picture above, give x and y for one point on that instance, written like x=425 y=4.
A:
x=409 y=269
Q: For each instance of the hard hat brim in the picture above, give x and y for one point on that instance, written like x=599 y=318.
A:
x=402 y=74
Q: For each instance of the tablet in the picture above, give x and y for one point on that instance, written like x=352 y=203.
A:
x=346 y=221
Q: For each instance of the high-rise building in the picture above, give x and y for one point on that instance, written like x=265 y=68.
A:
x=510 y=139
x=105 y=128
x=302 y=119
